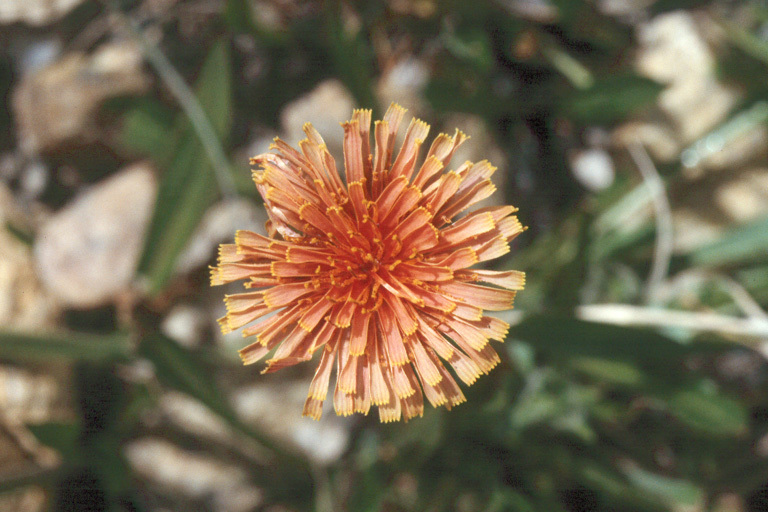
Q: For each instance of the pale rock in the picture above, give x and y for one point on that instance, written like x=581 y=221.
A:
x=541 y=11
x=24 y=303
x=185 y=324
x=327 y=105
x=35 y=12
x=746 y=197
x=86 y=254
x=193 y=416
x=593 y=168
x=58 y=103
x=277 y=408
x=660 y=140
x=673 y=51
x=624 y=8
x=193 y=474
x=219 y=225
x=692 y=230
x=403 y=83
x=28 y=397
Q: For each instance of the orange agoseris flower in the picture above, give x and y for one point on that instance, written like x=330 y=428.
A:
x=375 y=273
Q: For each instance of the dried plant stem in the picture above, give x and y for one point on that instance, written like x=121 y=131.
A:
x=188 y=102
x=624 y=314
x=662 y=253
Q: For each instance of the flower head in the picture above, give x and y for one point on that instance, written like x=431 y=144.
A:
x=375 y=273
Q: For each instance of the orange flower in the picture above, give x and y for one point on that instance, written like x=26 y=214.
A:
x=374 y=272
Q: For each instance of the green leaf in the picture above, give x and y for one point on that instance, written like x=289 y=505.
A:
x=610 y=98
x=62 y=437
x=28 y=347
x=743 y=244
x=188 y=186
x=708 y=412
x=674 y=491
x=146 y=130
x=180 y=369
x=566 y=339
x=607 y=370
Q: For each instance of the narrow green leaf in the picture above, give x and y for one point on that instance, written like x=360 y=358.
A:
x=179 y=369
x=607 y=370
x=565 y=339
x=62 y=437
x=188 y=186
x=743 y=244
x=709 y=412
x=37 y=347
x=674 y=491
x=611 y=98
x=146 y=130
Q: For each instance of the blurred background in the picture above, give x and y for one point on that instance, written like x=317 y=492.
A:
x=632 y=135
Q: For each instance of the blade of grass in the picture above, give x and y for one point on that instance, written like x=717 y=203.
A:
x=29 y=347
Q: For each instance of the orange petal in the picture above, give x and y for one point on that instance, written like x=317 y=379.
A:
x=362 y=397
x=318 y=388
x=509 y=279
x=429 y=169
x=312 y=315
x=391 y=338
x=459 y=258
x=414 y=137
x=300 y=254
x=254 y=352
x=465 y=367
x=284 y=294
x=484 y=297
x=442 y=191
x=435 y=340
x=400 y=381
x=290 y=269
x=464 y=199
x=425 y=271
x=380 y=394
x=425 y=367
x=348 y=376
x=353 y=151
x=467 y=228
x=358 y=334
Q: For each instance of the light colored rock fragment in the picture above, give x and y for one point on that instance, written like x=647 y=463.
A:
x=745 y=198
x=193 y=474
x=35 y=12
x=277 y=408
x=28 y=397
x=193 y=416
x=218 y=226
x=593 y=168
x=24 y=303
x=672 y=51
x=185 y=323
x=327 y=105
x=86 y=254
x=404 y=83
x=660 y=141
x=58 y=103
x=692 y=231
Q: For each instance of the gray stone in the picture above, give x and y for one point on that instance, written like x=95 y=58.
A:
x=327 y=105
x=86 y=254
x=35 y=12
x=58 y=103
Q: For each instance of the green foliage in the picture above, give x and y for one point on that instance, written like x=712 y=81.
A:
x=189 y=184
